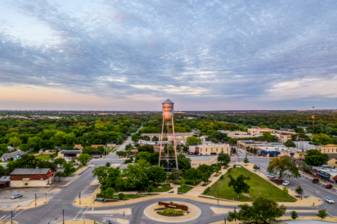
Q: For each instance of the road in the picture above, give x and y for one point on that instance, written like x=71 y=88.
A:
x=52 y=212
x=304 y=181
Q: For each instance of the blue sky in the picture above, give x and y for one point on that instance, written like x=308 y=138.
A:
x=132 y=54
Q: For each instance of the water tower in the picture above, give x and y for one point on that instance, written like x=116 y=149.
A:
x=167 y=142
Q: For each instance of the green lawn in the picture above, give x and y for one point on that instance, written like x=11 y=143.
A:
x=184 y=188
x=44 y=157
x=258 y=188
x=162 y=188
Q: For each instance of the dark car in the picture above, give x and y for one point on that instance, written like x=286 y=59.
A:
x=328 y=186
x=315 y=180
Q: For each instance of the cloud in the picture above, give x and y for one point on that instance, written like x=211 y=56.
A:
x=216 y=50
x=314 y=88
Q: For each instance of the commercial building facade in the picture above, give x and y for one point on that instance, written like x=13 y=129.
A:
x=31 y=177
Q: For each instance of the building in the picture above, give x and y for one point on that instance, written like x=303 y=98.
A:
x=270 y=149
x=330 y=150
x=196 y=161
x=257 y=131
x=181 y=137
x=239 y=134
x=31 y=177
x=4 y=181
x=69 y=155
x=209 y=149
x=12 y=155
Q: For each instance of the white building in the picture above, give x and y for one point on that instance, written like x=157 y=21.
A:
x=209 y=149
x=196 y=161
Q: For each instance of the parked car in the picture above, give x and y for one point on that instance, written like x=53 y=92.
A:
x=328 y=186
x=285 y=183
x=315 y=180
x=329 y=200
x=15 y=196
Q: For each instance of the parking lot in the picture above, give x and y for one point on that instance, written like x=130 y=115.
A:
x=28 y=197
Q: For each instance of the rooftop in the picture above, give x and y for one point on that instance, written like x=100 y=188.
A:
x=30 y=171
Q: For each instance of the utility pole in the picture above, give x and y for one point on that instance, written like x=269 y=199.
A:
x=12 y=217
x=62 y=216
x=35 y=199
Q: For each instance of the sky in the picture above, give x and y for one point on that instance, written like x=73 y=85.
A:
x=133 y=54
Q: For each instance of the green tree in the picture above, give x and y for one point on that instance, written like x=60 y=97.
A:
x=322 y=214
x=193 y=140
x=294 y=215
x=34 y=143
x=268 y=137
x=315 y=158
x=260 y=212
x=224 y=159
x=239 y=184
x=283 y=166
x=322 y=139
x=289 y=143
x=299 y=190
x=156 y=174
x=14 y=141
x=107 y=176
x=150 y=157
x=2 y=171
x=84 y=158
x=184 y=163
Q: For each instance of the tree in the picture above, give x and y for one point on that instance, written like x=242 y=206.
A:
x=184 y=163
x=246 y=160
x=14 y=141
x=193 y=140
x=34 y=143
x=299 y=190
x=224 y=159
x=151 y=157
x=156 y=174
x=289 y=143
x=218 y=137
x=294 y=215
x=315 y=158
x=322 y=139
x=239 y=184
x=107 y=176
x=268 y=137
x=282 y=166
x=322 y=214
x=84 y=158
x=261 y=211
x=2 y=171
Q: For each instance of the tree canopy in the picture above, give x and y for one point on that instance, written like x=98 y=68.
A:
x=283 y=166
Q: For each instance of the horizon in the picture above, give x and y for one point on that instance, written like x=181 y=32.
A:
x=96 y=55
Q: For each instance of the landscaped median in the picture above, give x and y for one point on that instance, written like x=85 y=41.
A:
x=259 y=187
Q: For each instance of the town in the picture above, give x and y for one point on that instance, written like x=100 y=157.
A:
x=109 y=168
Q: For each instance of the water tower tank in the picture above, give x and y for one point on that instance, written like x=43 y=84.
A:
x=167 y=106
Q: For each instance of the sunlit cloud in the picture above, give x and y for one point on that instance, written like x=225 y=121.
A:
x=223 y=54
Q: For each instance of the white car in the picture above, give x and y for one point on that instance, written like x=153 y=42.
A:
x=15 y=196
x=329 y=201
x=285 y=183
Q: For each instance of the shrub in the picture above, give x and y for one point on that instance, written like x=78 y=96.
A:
x=171 y=212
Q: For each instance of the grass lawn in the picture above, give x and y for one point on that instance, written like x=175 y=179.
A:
x=259 y=187
x=44 y=157
x=162 y=188
x=184 y=188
